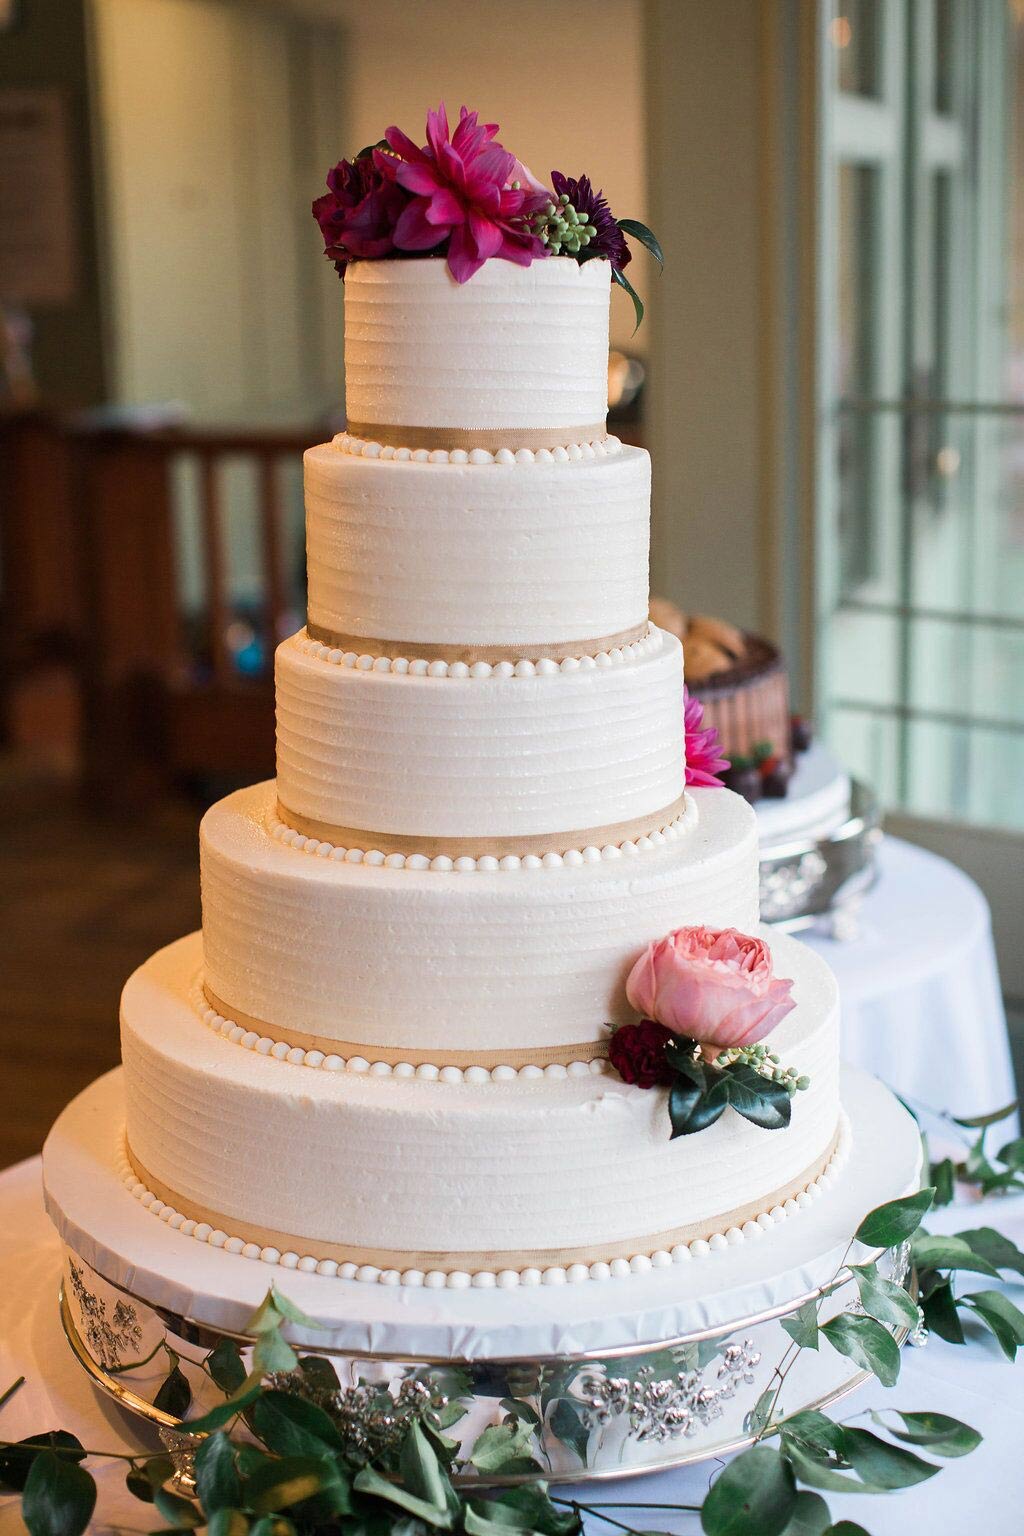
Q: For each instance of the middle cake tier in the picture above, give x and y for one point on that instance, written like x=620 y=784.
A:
x=311 y=946
x=409 y=756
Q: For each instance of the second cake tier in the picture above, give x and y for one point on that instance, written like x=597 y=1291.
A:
x=479 y=962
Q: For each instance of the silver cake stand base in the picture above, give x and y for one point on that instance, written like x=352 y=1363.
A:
x=807 y=880
x=618 y=1378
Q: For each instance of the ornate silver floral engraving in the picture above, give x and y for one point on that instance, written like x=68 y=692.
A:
x=371 y=1420
x=676 y=1405
x=786 y=887
x=106 y=1337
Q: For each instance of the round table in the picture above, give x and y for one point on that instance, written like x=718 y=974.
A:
x=975 y=1384
x=919 y=985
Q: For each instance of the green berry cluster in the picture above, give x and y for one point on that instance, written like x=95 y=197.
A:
x=766 y=1063
x=561 y=228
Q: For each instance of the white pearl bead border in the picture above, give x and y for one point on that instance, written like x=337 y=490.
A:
x=280 y=1050
x=505 y=1279
x=570 y=453
x=419 y=666
x=443 y=863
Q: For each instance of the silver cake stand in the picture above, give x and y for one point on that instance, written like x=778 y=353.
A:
x=622 y=1377
x=805 y=880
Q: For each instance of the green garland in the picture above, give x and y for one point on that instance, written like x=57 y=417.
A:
x=294 y=1472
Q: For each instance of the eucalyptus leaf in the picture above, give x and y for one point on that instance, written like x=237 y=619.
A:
x=272 y=1353
x=59 y=1496
x=228 y=1522
x=818 y=1475
x=979 y=1122
x=895 y=1221
x=820 y=1436
x=566 y=1421
x=1004 y=1319
x=175 y=1394
x=532 y=1503
x=223 y=1412
x=938 y=1304
x=802 y=1325
x=939 y=1252
x=521 y=1410
x=16 y=1460
x=757 y=1419
x=937 y=1432
x=943 y=1176
x=319 y=1372
x=638 y=305
x=218 y=1485
x=178 y=1511
x=867 y=1343
x=225 y=1366
x=754 y=1495
x=293 y=1426
x=646 y=237
x=989 y=1244
x=142 y=1482
x=502 y=1446
x=1012 y=1154
x=288 y=1480
x=884 y=1299
x=421 y=1470
x=272 y=1525
x=882 y=1464
x=293 y=1314
x=810 y=1515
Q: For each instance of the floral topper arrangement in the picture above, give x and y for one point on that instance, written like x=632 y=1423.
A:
x=463 y=196
x=708 y=999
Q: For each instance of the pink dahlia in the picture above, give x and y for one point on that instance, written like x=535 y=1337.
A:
x=461 y=191
x=358 y=215
x=703 y=748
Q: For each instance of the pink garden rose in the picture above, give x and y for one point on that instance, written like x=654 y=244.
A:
x=711 y=985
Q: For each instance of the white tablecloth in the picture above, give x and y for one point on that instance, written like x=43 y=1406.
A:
x=975 y=1384
x=921 y=1004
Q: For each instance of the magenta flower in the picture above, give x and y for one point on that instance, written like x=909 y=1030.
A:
x=461 y=192
x=703 y=748
x=357 y=217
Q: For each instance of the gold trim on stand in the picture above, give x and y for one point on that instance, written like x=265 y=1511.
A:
x=426 y=650
x=481 y=847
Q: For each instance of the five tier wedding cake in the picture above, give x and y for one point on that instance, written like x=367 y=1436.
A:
x=391 y=1054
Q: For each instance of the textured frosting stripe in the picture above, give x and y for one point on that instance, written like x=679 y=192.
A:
x=541 y=650
x=485 y=1259
x=540 y=1056
x=518 y=347
x=491 y=438
x=478 y=847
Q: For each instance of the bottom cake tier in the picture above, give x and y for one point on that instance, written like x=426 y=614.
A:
x=422 y=1180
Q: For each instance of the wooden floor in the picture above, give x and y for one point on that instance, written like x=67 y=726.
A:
x=83 y=900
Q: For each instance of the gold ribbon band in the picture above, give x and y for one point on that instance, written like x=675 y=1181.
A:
x=490 y=438
x=557 y=650
x=485 y=1259
x=480 y=847
x=438 y=1056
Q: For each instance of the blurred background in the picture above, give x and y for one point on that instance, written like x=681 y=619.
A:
x=830 y=379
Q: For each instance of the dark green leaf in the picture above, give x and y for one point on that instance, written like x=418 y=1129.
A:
x=521 y=1410
x=59 y=1496
x=979 y=1122
x=943 y=1176
x=939 y=1252
x=638 y=307
x=867 y=1343
x=16 y=1460
x=764 y=1103
x=319 y=1372
x=225 y=1366
x=802 y=1325
x=817 y=1474
x=143 y=1481
x=272 y=1525
x=754 y=1495
x=895 y=1221
x=566 y=1422
x=218 y=1484
x=531 y=1508
x=691 y=1110
x=882 y=1464
x=219 y=1415
x=371 y=1483
x=1012 y=1154
x=679 y=1055
x=293 y=1426
x=810 y=1515
x=287 y=1480
x=293 y=1314
x=175 y=1394
x=228 y=1522
x=1005 y=1320
x=644 y=235
x=421 y=1470
x=937 y=1432
x=884 y=1299
x=180 y=1513
x=993 y=1246
x=938 y=1304
x=757 y=1419
x=820 y=1436
x=503 y=1445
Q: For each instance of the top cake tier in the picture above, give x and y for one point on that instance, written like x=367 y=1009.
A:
x=519 y=351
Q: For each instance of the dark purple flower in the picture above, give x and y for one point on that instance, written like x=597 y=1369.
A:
x=357 y=217
x=637 y=1052
x=592 y=208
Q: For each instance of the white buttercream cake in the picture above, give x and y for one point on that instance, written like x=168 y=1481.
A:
x=386 y=1054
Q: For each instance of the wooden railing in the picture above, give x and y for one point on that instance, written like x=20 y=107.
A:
x=89 y=538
